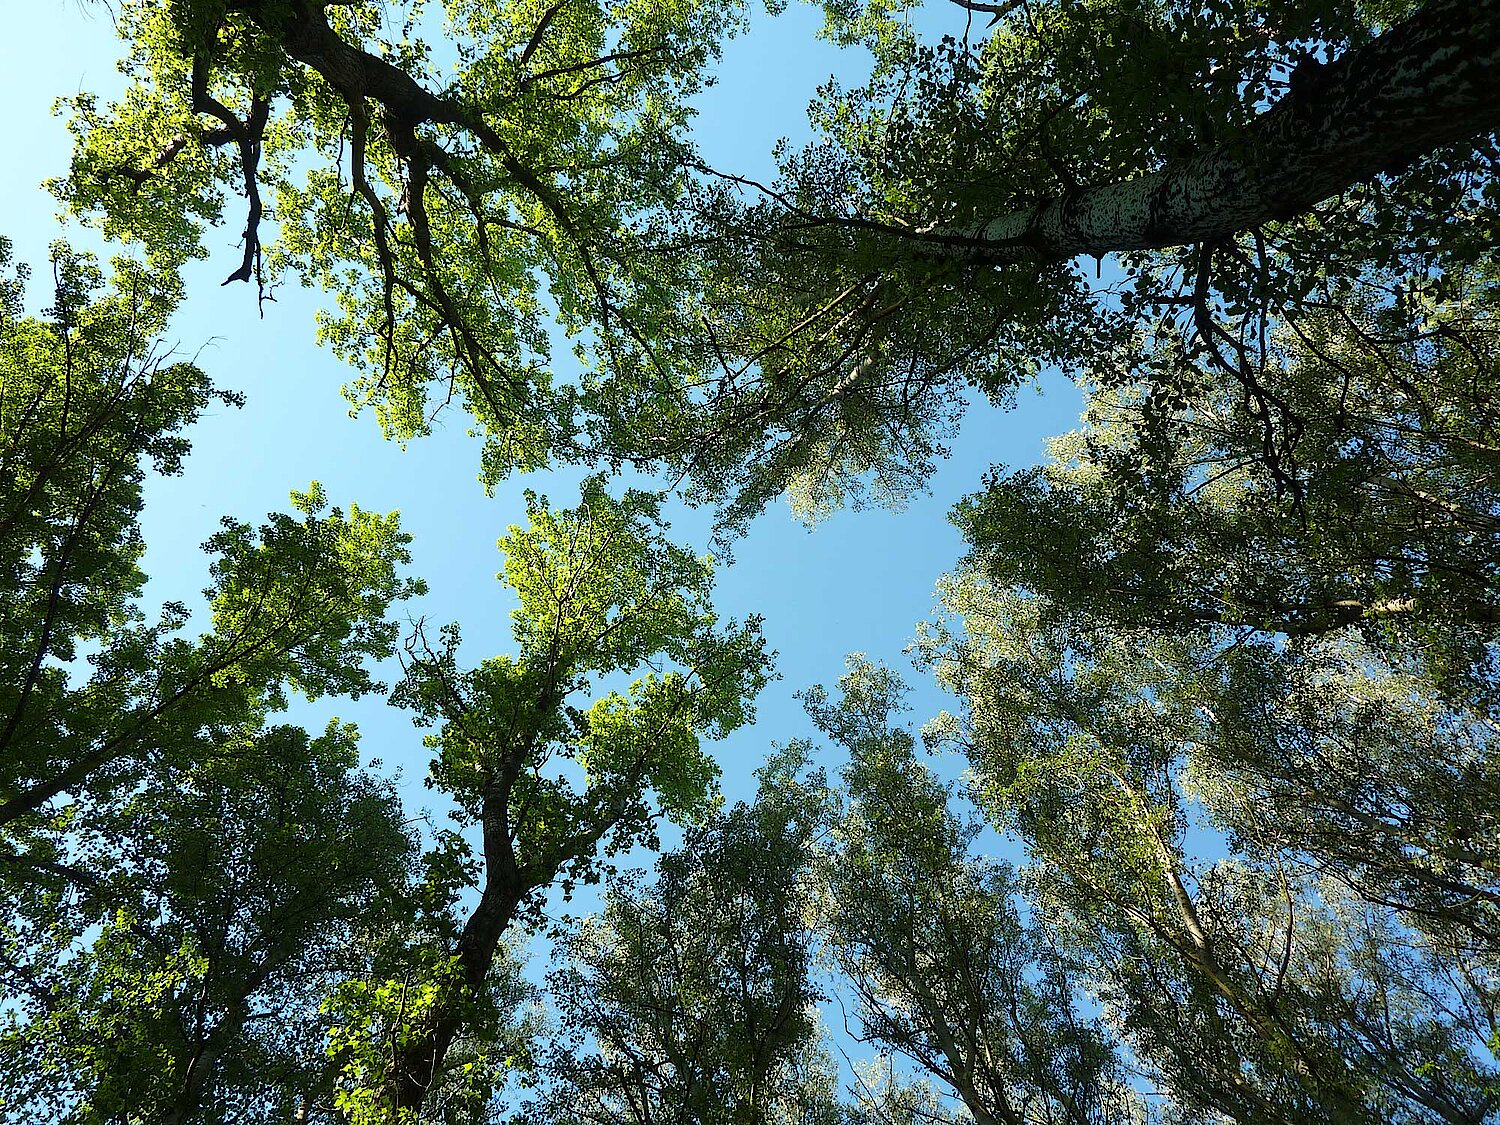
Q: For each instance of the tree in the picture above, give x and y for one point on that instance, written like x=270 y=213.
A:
x=228 y=898
x=150 y=804
x=1226 y=668
x=689 y=1000
x=1317 y=969
x=181 y=878
x=454 y=190
x=823 y=337
x=300 y=604
x=925 y=248
x=554 y=789
x=932 y=945
x=1167 y=514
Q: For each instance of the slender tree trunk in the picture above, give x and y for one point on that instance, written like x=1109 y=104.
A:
x=1430 y=81
x=505 y=888
x=419 y=1064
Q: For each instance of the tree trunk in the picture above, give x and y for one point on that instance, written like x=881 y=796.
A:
x=505 y=888
x=1430 y=81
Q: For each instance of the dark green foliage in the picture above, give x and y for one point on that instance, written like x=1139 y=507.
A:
x=689 y=1000
x=934 y=241
x=228 y=900
x=182 y=880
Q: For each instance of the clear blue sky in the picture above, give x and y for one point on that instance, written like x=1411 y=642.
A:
x=860 y=582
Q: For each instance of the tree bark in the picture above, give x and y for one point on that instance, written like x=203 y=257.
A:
x=1430 y=81
x=505 y=888
x=418 y=1065
x=305 y=35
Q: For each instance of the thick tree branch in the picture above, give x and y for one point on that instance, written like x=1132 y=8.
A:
x=1428 y=82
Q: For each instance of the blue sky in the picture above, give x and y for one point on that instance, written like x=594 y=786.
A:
x=859 y=582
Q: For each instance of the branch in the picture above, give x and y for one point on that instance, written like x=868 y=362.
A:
x=247 y=135
x=997 y=12
x=1426 y=83
x=541 y=29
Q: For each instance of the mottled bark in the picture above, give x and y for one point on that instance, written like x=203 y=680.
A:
x=1430 y=81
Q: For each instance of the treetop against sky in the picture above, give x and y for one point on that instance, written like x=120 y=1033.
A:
x=811 y=336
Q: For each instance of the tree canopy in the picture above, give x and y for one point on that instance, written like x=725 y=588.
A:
x=819 y=333
x=184 y=877
x=1208 y=829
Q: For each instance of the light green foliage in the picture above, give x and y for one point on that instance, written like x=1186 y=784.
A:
x=1317 y=971
x=930 y=938
x=377 y=1014
x=374 y=1022
x=555 y=789
x=602 y=595
x=325 y=582
x=602 y=591
x=451 y=175
x=99 y=1053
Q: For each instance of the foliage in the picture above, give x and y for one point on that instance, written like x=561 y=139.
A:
x=1167 y=513
x=299 y=603
x=556 y=789
x=181 y=878
x=453 y=177
x=905 y=262
x=819 y=335
x=1226 y=666
x=929 y=935
x=226 y=900
x=602 y=594
x=1332 y=964
x=689 y=1000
